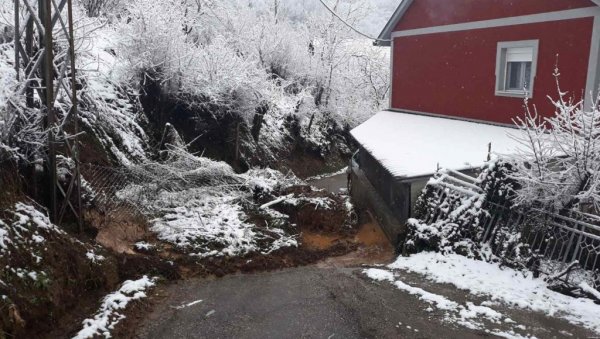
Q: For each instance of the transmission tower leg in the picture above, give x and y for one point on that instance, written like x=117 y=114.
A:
x=45 y=7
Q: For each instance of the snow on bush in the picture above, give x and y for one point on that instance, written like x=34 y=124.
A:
x=501 y=286
x=29 y=227
x=110 y=312
x=557 y=166
x=247 y=56
x=8 y=85
x=8 y=80
x=264 y=62
x=108 y=105
x=110 y=108
x=459 y=209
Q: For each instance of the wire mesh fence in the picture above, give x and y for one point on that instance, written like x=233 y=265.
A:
x=143 y=189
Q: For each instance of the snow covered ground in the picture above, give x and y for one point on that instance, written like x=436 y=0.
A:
x=206 y=209
x=211 y=223
x=501 y=287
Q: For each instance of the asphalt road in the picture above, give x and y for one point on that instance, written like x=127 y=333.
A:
x=331 y=300
x=317 y=302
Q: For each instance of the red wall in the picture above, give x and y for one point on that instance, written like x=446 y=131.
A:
x=427 y=13
x=454 y=73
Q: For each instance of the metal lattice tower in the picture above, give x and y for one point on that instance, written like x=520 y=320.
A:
x=51 y=77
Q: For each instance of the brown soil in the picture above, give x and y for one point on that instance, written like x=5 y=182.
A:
x=127 y=267
x=117 y=230
x=306 y=164
x=77 y=287
x=10 y=185
x=311 y=217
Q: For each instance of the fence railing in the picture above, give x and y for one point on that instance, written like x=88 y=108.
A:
x=558 y=240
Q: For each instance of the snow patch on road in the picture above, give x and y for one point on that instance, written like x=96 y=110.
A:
x=502 y=285
x=469 y=315
x=180 y=307
x=109 y=315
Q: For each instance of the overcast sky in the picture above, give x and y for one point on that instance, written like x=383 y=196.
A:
x=372 y=25
x=384 y=10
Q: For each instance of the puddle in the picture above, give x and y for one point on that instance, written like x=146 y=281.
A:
x=337 y=183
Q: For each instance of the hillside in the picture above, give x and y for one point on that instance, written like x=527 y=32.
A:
x=199 y=122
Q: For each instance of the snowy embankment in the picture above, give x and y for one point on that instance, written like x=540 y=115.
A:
x=26 y=247
x=45 y=270
x=501 y=286
x=110 y=312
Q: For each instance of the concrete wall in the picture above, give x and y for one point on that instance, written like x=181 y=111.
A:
x=392 y=200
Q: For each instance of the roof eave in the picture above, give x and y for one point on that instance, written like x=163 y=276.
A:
x=385 y=36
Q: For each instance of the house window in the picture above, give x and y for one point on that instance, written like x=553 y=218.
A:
x=515 y=68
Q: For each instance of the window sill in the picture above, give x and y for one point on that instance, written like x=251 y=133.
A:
x=514 y=94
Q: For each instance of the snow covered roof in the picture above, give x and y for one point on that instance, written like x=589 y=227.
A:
x=411 y=145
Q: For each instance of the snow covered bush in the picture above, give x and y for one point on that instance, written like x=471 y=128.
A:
x=8 y=84
x=110 y=111
x=95 y=8
x=244 y=54
x=558 y=165
x=452 y=216
x=447 y=220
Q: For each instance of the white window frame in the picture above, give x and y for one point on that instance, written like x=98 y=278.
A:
x=501 y=68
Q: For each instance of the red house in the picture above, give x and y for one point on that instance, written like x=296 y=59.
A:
x=473 y=58
x=461 y=70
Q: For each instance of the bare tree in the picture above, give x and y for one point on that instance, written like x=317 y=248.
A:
x=95 y=8
x=559 y=162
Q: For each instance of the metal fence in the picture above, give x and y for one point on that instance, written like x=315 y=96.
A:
x=558 y=241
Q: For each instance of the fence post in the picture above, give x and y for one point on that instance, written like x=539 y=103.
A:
x=570 y=245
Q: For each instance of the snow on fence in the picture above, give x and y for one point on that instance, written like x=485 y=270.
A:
x=563 y=247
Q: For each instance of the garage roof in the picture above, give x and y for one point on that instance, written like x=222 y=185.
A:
x=411 y=145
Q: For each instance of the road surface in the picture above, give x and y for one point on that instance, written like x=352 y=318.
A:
x=323 y=301
x=333 y=299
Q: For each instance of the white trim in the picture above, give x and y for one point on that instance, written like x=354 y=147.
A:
x=391 y=74
x=592 y=87
x=597 y=2
x=386 y=33
x=501 y=62
x=510 y=21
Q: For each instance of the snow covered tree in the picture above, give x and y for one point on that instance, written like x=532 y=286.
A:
x=95 y=8
x=558 y=165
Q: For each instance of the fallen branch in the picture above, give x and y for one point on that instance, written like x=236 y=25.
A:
x=276 y=201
